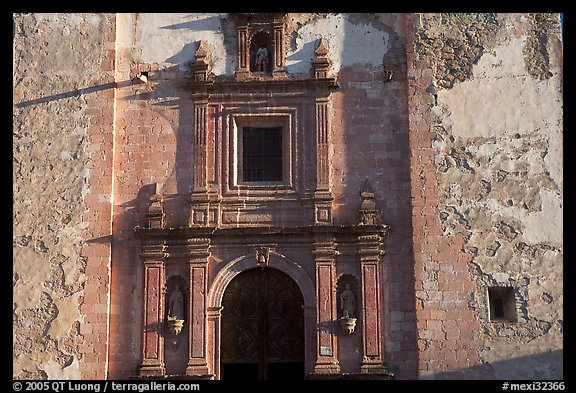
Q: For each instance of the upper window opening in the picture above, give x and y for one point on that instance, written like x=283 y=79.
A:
x=262 y=154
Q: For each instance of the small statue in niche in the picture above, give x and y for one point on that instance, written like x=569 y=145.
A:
x=261 y=59
x=176 y=304
x=348 y=302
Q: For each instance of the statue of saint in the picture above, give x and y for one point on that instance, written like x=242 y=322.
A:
x=262 y=59
x=347 y=302
x=176 y=304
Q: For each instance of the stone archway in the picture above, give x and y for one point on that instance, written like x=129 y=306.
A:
x=245 y=263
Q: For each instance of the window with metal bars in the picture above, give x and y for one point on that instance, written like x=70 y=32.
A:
x=262 y=154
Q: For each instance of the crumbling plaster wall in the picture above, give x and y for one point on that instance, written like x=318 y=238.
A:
x=173 y=39
x=63 y=64
x=497 y=137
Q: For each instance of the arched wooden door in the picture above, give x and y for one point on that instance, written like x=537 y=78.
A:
x=262 y=327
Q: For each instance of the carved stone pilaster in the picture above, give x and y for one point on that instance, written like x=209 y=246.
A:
x=203 y=203
x=370 y=255
x=213 y=316
x=326 y=313
x=321 y=63
x=198 y=252
x=243 y=71
x=200 y=128
x=153 y=254
x=279 y=70
x=323 y=196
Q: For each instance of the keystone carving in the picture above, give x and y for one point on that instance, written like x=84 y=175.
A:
x=262 y=256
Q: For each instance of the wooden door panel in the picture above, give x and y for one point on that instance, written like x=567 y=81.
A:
x=262 y=319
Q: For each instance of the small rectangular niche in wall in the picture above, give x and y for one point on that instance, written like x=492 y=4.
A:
x=502 y=304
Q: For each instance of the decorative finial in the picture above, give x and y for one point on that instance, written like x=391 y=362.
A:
x=201 y=66
x=369 y=214
x=321 y=63
x=155 y=210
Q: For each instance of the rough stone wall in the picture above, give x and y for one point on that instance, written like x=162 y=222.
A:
x=62 y=169
x=154 y=154
x=371 y=144
x=486 y=126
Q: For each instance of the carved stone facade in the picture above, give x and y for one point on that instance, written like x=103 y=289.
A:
x=257 y=224
x=287 y=196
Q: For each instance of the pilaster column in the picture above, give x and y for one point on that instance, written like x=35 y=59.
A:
x=197 y=354
x=322 y=196
x=200 y=126
x=199 y=199
x=153 y=254
x=213 y=316
x=326 y=349
x=279 y=50
x=243 y=70
x=369 y=251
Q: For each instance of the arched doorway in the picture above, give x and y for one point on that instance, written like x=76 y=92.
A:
x=262 y=327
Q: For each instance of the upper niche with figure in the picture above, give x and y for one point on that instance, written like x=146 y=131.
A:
x=261 y=51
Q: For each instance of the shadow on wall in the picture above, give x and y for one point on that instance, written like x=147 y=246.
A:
x=210 y=23
x=540 y=366
x=74 y=93
x=214 y=23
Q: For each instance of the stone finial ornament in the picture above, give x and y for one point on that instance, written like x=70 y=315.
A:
x=201 y=67
x=155 y=210
x=369 y=214
x=321 y=63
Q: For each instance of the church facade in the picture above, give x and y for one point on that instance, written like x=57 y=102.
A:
x=280 y=195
